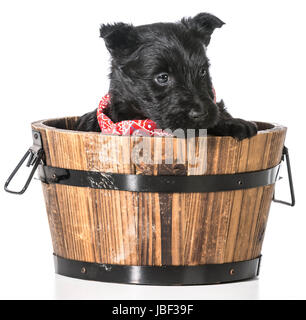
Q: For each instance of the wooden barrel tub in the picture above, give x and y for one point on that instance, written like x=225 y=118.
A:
x=166 y=228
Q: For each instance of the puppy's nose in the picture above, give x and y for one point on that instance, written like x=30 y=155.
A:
x=197 y=115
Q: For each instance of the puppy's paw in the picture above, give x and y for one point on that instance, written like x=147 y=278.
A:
x=239 y=128
x=236 y=128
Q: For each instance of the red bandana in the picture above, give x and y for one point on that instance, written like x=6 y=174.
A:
x=145 y=127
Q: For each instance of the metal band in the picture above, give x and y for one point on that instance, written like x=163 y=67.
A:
x=158 y=275
x=162 y=183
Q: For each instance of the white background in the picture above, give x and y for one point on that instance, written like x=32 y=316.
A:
x=53 y=64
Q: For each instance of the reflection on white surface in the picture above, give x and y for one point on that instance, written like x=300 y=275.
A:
x=69 y=288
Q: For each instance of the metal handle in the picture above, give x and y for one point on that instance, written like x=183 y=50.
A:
x=35 y=154
x=285 y=156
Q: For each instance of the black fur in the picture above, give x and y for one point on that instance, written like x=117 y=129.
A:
x=160 y=71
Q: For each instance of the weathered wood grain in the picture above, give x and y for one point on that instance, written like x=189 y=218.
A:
x=121 y=227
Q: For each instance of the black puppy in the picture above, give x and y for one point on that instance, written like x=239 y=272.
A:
x=160 y=72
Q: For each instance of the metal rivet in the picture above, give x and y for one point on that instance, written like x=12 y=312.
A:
x=83 y=270
x=232 y=272
x=35 y=136
x=239 y=182
x=54 y=176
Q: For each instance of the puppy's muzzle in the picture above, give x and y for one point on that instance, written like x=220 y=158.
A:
x=197 y=115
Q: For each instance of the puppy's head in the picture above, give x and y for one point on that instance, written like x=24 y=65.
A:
x=161 y=70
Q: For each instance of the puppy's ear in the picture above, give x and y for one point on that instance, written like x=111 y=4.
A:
x=120 y=39
x=203 y=25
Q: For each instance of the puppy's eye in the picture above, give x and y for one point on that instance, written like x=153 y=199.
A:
x=203 y=72
x=162 y=79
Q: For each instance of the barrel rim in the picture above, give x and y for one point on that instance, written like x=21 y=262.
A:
x=41 y=124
